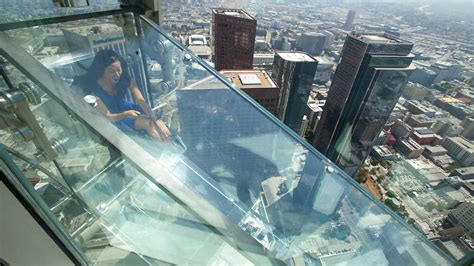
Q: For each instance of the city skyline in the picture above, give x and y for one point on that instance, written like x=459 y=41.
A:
x=395 y=141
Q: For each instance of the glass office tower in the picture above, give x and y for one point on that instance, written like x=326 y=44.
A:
x=293 y=72
x=233 y=186
x=367 y=84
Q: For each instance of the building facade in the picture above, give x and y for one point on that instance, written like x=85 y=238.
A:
x=366 y=87
x=258 y=85
x=263 y=60
x=463 y=215
x=410 y=148
x=349 y=20
x=311 y=43
x=95 y=38
x=461 y=149
x=233 y=32
x=293 y=72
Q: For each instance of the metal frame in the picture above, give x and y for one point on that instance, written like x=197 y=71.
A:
x=24 y=192
x=53 y=20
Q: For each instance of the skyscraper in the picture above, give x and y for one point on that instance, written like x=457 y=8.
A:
x=349 y=19
x=311 y=43
x=257 y=84
x=233 y=31
x=293 y=72
x=367 y=84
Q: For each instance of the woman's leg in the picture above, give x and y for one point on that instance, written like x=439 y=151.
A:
x=162 y=129
x=146 y=124
x=154 y=130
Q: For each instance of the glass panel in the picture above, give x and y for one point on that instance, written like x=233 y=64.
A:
x=230 y=184
x=115 y=213
x=14 y=10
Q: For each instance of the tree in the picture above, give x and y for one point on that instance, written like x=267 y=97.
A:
x=308 y=134
x=343 y=232
x=430 y=205
x=336 y=216
x=389 y=202
x=381 y=178
x=362 y=176
x=374 y=161
x=391 y=194
x=442 y=205
x=340 y=232
x=385 y=164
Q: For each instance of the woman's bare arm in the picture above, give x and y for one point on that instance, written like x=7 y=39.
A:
x=115 y=117
x=139 y=98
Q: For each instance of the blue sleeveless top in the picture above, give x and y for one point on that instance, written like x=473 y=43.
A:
x=118 y=104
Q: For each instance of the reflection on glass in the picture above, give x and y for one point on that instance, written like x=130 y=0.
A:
x=232 y=186
x=14 y=10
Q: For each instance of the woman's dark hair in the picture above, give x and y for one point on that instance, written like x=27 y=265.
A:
x=104 y=58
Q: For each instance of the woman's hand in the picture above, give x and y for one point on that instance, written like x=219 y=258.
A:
x=115 y=117
x=130 y=113
x=162 y=129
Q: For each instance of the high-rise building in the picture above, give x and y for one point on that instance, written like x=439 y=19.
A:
x=233 y=32
x=330 y=37
x=366 y=86
x=311 y=43
x=257 y=84
x=293 y=72
x=461 y=149
x=198 y=44
x=263 y=60
x=463 y=216
x=95 y=38
x=468 y=125
x=349 y=19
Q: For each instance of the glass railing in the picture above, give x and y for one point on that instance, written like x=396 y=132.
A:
x=15 y=11
x=218 y=181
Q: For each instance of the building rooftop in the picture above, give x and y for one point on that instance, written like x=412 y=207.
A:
x=240 y=13
x=424 y=131
x=375 y=39
x=323 y=61
x=465 y=171
x=264 y=54
x=411 y=144
x=422 y=118
x=316 y=105
x=246 y=79
x=383 y=150
x=296 y=56
x=101 y=28
x=436 y=149
x=449 y=100
x=197 y=40
x=201 y=50
x=463 y=142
